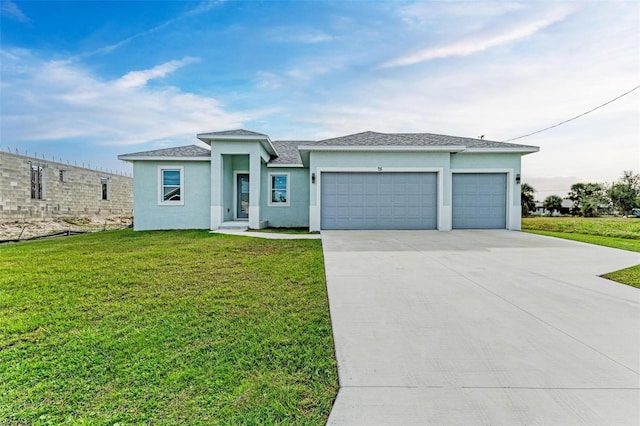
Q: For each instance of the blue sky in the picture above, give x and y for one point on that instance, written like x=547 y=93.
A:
x=86 y=81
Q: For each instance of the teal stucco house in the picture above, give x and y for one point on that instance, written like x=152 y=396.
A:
x=366 y=180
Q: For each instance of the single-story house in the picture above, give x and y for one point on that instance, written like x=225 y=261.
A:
x=565 y=208
x=366 y=180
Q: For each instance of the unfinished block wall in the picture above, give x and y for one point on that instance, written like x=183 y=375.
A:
x=66 y=191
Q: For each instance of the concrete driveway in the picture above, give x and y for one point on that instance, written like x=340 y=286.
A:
x=481 y=328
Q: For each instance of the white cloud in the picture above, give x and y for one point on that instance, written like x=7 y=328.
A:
x=298 y=35
x=481 y=40
x=421 y=12
x=140 y=78
x=9 y=8
x=301 y=73
x=55 y=100
x=266 y=80
x=506 y=94
x=202 y=7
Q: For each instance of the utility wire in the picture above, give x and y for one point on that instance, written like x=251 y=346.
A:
x=573 y=118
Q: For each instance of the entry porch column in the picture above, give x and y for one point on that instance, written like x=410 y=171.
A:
x=255 y=174
x=217 y=207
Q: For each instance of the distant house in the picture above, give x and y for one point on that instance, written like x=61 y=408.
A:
x=565 y=208
x=33 y=188
x=366 y=180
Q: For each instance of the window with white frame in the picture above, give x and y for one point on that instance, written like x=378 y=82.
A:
x=279 y=189
x=171 y=182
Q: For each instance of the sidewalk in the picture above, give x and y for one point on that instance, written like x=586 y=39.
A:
x=268 y=235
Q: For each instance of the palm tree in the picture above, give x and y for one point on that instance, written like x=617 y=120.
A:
x=527 y=200
x=552 y=203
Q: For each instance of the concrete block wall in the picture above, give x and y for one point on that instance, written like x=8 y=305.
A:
x=79 y=195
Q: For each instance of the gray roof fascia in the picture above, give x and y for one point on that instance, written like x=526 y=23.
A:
x=276 y=165
x=126 y=157
x=264 y=140
x=525 y=149
x=410 y=148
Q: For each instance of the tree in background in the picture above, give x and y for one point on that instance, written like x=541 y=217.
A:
x=527 y=200
x=586 y=198
x=552 y=203
x=625 y=193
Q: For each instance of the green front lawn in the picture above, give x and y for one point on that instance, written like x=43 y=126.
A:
x=615 y=227
x=614 y=242
x=621 y=233
x=180 y=327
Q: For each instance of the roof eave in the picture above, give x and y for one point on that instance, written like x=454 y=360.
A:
x=496 y=150
x=271 y=165
x=384 y=148
x=127 y=157
x=265 y=141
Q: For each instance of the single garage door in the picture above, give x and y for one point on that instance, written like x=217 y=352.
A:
x=479 y=200
x=378 y=200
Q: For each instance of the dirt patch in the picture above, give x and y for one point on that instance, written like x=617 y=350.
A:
x=11 y=230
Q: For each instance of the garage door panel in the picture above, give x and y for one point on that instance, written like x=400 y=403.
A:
x=479 y=200
x=378 y=200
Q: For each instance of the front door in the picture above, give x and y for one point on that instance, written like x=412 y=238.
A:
x=242 y=198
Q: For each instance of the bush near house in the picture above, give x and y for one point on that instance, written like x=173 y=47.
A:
x=179 y=327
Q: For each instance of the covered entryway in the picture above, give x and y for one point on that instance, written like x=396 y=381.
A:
x=369 y=200
x=479 y=200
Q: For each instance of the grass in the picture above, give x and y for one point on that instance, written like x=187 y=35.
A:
x=614 y=227
x=629 y=276
x=619 y=243
x=179 y=327
x=620 y=233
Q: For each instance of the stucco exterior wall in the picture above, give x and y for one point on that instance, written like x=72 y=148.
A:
x=497 y=163
x=210 y=198
x=443 y=163
x=193 y=214
x=383 y=162
x=79 y=195
x=226 y=158
x=296 y=214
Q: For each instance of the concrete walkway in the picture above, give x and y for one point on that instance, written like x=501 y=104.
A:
x=481 y=328
x=268 y=235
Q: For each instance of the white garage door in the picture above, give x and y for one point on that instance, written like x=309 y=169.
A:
x=479 y=200
x=378 y=200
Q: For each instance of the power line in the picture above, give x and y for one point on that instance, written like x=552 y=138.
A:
x=573 y=118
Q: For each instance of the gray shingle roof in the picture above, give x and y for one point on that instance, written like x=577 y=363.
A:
x=413 y=139
x=180 y=151
x=237 y=132
x=287 y=152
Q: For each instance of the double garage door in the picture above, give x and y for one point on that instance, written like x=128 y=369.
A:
x=378 y=201
x=354 y=200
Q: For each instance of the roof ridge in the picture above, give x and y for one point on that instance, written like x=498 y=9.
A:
x=351 y=135
x=237 y=132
